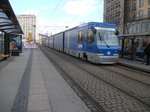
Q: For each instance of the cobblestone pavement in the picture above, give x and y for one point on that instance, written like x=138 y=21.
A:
x=137 y=86
x=130 y=73
x=109 y=97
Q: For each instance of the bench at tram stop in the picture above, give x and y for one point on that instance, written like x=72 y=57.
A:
x=5 y=56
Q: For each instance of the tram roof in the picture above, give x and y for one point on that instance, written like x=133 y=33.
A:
x=133 y=35
x=97 y=24
x=8 y=20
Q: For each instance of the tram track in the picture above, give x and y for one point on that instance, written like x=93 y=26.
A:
x=132 y=75
x=83 y=94
x=116 y=87
x=142 y=83
x=133 y=70
x=113 y=85
x=130 y=68
x=79 y=66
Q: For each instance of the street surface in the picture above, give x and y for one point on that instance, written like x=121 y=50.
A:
x=114 y=87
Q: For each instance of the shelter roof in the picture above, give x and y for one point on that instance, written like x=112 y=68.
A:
x=8 y=19
x=134 y=35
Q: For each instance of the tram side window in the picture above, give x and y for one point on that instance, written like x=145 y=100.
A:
x=90 y=37
x=81 y=36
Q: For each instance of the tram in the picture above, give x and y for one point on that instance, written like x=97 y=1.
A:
x=94 y=41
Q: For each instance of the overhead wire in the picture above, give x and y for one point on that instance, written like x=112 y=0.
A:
x=55 y=8
x=76 y=17
x=51 y=16
x=82 y=13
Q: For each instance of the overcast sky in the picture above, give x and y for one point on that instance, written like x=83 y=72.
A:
x=60 y=13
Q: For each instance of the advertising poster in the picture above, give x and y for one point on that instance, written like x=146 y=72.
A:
x=16 y=44
x=29 y=36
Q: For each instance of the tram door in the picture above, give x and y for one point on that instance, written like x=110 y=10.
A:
x=84 y=41
x=90 y=41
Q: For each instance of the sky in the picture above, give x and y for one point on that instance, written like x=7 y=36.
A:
x=55 y=15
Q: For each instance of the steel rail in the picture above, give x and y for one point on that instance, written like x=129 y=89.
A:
x=123 y=75
x=138 y=99
x=98 y=107
x=107 y=82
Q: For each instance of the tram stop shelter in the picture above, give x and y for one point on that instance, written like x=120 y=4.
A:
x=9 y=27
x=127 y=42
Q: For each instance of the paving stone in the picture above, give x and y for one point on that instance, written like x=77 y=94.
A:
x=98 y=89
x=38 y=105
x=38 y=97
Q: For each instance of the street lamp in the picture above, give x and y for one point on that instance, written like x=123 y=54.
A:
x=34 y=27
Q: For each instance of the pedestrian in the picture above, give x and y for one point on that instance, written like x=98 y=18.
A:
x=147 y=52
x=134 y=48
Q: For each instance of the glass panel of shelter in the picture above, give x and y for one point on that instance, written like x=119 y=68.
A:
x=1 y=43
x=141 y=44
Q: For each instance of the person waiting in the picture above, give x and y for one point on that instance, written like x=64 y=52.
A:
x=134 y=48
x=147 y=52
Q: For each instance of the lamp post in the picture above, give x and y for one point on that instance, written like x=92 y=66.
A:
x=34 y=27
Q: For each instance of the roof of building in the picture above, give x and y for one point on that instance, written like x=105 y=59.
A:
x=8 y=20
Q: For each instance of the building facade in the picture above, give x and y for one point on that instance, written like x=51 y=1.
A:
x=131 y=16
x=137 y=22
x=28 y=25
x=137 y=18
x=133 y=20
x=114 y=13
x=42 y=39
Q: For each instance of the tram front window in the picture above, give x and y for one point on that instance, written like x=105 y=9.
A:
x=106 y=37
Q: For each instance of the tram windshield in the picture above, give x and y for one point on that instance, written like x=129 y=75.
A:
x=107 y=37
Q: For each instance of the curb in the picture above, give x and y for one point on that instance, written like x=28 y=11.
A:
x=134 y=67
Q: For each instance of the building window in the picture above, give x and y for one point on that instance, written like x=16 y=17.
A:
x=148 y=12
x=141 y=3
x=133 y=0
x=134 y=28
x=134 y=7
x=141 y=13
x=138 y=27
x=148 y=27
x=148 y=1
x=134 y=16
x=143 y=27
x=130 y=29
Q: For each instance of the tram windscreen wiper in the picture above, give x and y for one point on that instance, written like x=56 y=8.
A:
x=100 y=38
x=103 y=40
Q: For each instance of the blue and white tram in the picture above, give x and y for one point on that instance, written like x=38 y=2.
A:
x=93 y=41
